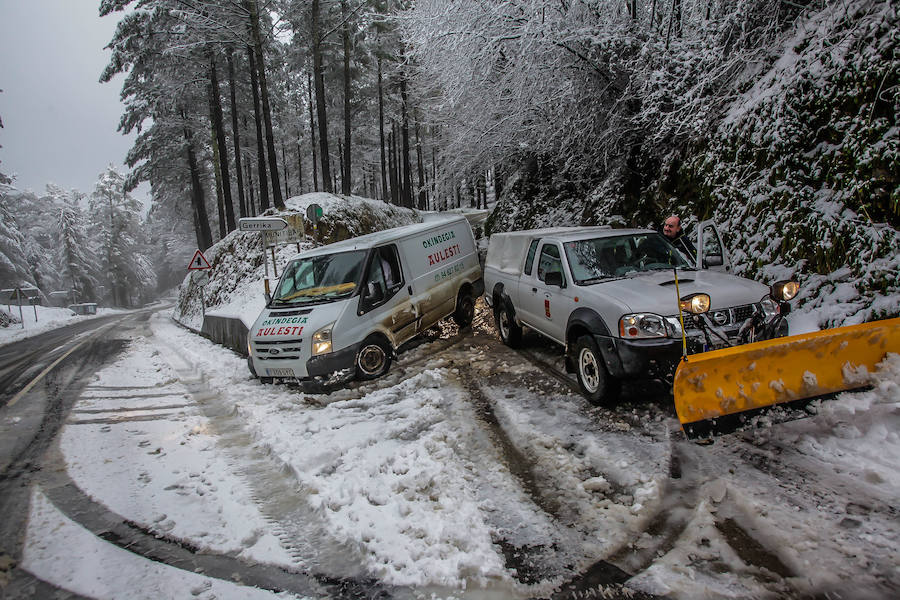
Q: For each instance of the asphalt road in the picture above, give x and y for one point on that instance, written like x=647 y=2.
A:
x=40 y=379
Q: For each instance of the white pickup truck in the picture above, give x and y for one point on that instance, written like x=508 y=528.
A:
x=610 y=296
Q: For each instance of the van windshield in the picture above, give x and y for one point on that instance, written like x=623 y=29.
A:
x=608 y=257
x=320 y=278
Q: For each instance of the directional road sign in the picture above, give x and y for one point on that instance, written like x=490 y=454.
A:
x=262 y=224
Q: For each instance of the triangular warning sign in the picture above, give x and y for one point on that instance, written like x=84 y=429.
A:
x=199 y=262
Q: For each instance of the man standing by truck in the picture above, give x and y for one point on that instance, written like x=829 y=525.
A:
x=672 y=230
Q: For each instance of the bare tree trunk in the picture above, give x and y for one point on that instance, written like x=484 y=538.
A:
x=392 y=167
x=319 y=76
x=299 y=169
x=423 y=199
x=260 y=145
x=267 y=112
x=287 y=190
x=251 y=205
x=346 y=183
x=222 y=149
x=220 y=204
x=242 y=201
x=384 y=183
x=312 y=134
x=198 y=203
x=407 y=178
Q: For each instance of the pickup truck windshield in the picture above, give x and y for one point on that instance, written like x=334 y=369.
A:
x=608 y=257
x=320 y=278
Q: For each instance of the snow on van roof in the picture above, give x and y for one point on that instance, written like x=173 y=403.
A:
x=365 y=242
x=506 y=251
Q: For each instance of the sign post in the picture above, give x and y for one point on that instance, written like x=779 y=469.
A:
x=199 y=263
x=274 y=231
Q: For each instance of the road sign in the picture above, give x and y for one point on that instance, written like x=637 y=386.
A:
x=261 y=224
x=294 y=232
x=199 y=262
x=314 y=213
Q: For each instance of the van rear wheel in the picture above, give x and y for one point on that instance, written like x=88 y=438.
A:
x=597 y=385
x=373 y=359
x=465 y=310
x=510 y=331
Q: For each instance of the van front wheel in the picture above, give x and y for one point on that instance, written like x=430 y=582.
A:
x=373 y=359
x=597 y=385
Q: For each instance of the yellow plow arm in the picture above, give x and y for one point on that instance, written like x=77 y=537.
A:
x=751 y=377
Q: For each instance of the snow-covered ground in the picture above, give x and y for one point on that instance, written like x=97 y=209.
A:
x=34 y=320
x=405 y=480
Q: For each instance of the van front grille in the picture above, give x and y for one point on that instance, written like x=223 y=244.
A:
x=285 y=350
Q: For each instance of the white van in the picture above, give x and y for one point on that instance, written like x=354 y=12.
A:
x=349 y=305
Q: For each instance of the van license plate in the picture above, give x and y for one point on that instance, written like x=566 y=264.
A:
x=280 y=372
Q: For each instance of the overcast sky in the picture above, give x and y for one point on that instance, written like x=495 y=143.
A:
x=59 y=123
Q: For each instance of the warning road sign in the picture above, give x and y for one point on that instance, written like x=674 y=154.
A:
x=199 y=262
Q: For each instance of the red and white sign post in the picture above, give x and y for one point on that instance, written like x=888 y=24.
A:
x=199 y=263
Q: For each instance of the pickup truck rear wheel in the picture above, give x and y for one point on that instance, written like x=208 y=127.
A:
x=510 y=331
x=373 y=359
x=597 y=385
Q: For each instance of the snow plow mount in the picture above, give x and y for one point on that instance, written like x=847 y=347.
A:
x=718 y=390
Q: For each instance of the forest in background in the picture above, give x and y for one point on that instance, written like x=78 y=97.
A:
x=778 y=119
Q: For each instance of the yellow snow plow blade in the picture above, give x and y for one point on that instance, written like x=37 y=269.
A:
x=739 y=380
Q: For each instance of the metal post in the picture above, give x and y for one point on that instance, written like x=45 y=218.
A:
x=262 y=240
x=19 y=299
x=35 y=311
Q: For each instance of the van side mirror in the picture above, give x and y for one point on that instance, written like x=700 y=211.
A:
x=554 y=278
x=268 y=298
x=713 y=260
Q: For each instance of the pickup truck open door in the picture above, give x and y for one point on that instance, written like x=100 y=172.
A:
x=711 y=251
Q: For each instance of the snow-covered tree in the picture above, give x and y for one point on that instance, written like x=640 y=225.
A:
x=74 y=253
x=14 y=271
x=122 y=249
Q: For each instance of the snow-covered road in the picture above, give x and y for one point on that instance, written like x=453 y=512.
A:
x=465 y=472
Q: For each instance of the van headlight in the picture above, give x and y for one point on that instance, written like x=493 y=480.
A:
x=321 y=340
x=642 y=325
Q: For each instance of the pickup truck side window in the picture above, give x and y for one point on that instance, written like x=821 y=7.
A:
x=529 y=262
x=549 y=262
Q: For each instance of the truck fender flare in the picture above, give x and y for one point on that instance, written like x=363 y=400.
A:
x=501 y=299
x=586 y=320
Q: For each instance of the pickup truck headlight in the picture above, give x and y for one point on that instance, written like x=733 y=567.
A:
x=785 y=290
x=321 y=340
x=696 y=304
x=642 y=325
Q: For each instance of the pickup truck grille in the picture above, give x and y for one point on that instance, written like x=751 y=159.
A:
x=728 y=318
x=287 y=350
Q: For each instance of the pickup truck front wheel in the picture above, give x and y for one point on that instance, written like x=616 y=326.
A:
x=510 y=331
x=597 y=385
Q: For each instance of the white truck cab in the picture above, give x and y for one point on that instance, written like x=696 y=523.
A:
x=611 y=297
x=349 y=305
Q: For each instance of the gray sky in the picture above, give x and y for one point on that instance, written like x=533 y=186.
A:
x=59 y=122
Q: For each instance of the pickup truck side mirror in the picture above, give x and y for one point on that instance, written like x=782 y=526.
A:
x=554 y=278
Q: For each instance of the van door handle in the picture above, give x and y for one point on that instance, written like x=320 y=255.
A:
x=409 y=289
x=534 y=290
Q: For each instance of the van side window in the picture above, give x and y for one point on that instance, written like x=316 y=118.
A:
x=529 y=262
x=549 y=262
x=390 y=266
